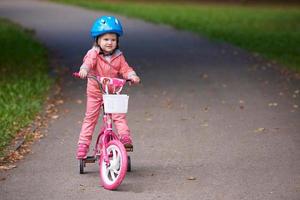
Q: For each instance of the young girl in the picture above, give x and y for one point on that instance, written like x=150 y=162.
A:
x=104 y=59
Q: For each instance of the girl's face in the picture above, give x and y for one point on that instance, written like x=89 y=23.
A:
x=108 y=42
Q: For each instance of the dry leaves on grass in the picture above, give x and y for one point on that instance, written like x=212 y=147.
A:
x=55 y=116
x=59 y=102
x=12 y=157
x=7 y=167
x=31 y=133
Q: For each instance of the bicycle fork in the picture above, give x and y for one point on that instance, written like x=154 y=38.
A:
x=107 y=136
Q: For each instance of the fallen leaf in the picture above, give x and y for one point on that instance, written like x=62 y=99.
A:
x=66 y=110
x=169 y=103
x=149 y=119
x=275 y=129
x=82 y=187
x=204 y=125
x=273 y=104
x=55 y=116
x=206 y=109
x=259 y=130
x=182 y=106
x=191 y=178
x=204 y=76
x=59 y=101
x=79 y=101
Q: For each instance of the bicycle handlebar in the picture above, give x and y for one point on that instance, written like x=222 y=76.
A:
x=115 y=82
x=76 y=75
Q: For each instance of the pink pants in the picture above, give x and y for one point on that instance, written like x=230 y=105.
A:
x=93 y=106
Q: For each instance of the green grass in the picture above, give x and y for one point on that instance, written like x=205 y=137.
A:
x=271 y=31
x=24 y=79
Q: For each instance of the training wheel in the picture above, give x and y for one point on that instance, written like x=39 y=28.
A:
x=128 y=164
x=81 y=166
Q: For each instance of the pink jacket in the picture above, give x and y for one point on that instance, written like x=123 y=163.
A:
x=97 y=65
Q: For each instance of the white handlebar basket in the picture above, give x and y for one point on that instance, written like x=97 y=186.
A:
x=115 y=103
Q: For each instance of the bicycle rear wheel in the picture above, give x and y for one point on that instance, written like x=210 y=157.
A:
x=113 y=174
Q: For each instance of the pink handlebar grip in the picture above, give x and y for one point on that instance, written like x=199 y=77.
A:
x=76 y=75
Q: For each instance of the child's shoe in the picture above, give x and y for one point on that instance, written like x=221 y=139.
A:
x=126 y=140
x=82 y=151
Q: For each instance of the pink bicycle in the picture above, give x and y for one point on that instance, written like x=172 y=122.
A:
x=110 y=153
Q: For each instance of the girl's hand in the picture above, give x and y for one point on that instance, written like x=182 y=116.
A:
x=83 y=73
x=135 y=79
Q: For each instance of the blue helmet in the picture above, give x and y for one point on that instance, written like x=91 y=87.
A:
x=106 y=24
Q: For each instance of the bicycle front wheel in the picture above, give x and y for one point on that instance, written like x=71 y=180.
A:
x=113 y=174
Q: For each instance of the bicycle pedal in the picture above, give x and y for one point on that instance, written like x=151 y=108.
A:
x=129 y=149
x=90 y=159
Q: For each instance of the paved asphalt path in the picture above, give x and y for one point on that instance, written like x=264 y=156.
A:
x=205 y=111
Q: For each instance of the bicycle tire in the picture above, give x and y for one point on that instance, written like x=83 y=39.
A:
x=128 y=164
x=112 y=176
